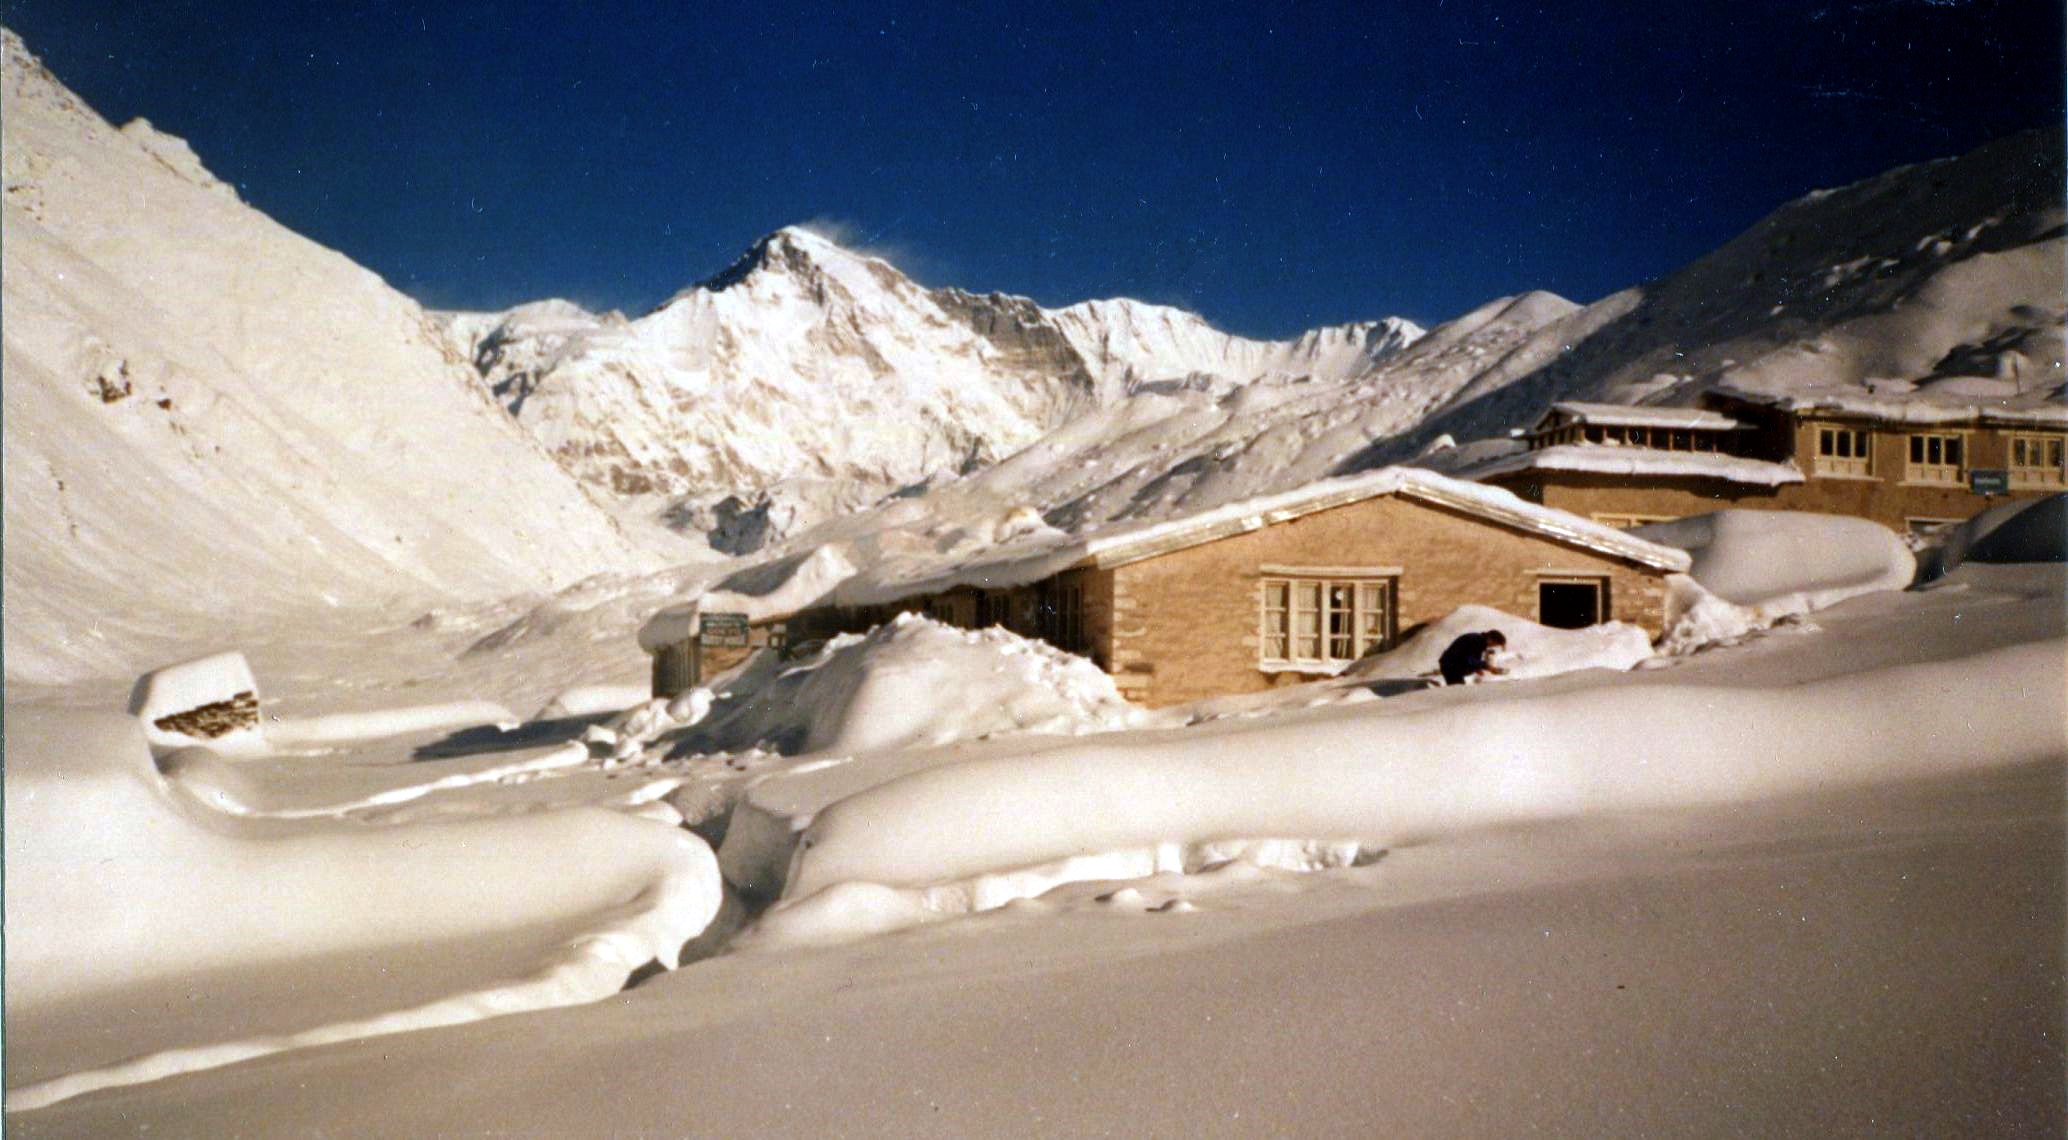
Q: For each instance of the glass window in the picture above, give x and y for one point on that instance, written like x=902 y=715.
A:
x=1935 y=457
x=1842 y=451
x=1324 y=621
x=2036 y=461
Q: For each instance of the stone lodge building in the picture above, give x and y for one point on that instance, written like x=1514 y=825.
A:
x=1908 y=465
x=1282 y=588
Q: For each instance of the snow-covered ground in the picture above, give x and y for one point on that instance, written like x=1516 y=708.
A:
x=1798 y=869
x=1807 y=880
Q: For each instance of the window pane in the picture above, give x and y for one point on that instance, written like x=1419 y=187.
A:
x=1953 y=451
x=1277 y=595
x=2053 y=453
x=1307 y=596
x=1917 y=449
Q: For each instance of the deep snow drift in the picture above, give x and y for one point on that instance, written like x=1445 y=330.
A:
x=1794 y=876
x=1277 y=823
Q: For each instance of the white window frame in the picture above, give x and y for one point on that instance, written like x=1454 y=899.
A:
x=1918 y=466
x=1338 y=634
x=2029 y=463
x=1844 y=451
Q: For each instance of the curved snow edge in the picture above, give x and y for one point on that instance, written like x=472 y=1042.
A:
x=848 y=910
x=678 y=903
x=1444 y=770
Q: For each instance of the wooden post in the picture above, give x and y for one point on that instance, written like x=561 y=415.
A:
x=674 y=670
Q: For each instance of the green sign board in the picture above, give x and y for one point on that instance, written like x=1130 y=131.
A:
x=722 y=629
x=1988 y=480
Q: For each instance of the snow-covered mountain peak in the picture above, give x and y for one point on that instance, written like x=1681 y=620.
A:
x=803 y=255
x=807 y=362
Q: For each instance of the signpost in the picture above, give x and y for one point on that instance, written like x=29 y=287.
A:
x=721 y=630
x=1987 y=481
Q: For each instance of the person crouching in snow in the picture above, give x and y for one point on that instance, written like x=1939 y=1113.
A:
x=1472 y=655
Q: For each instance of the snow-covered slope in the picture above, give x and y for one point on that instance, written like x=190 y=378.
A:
x=1934 y=286
x=209 y=419
x=805 y=362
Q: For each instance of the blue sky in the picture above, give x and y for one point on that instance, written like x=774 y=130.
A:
x=1273 y=167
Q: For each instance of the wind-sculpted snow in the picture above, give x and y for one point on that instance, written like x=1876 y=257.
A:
x=883 y=690
x=1788 y=559
x=1387 y=780
x=123 y=880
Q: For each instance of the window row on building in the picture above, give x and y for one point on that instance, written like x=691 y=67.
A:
x=2034 y=460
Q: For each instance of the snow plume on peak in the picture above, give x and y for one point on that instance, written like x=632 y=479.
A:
x=792 y=249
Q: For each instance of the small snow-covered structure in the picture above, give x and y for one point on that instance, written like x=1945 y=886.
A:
x=1271 y=589
x=211 y=701
x=1914 y=459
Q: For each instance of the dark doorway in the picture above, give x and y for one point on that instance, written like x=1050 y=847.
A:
x=1574 y=603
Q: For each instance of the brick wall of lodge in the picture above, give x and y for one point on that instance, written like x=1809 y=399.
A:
x=1187 y=624
x=1891 y=503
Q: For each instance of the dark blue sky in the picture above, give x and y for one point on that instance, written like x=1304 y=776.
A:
x=1272 y=170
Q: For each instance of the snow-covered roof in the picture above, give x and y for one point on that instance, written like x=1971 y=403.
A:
x=1641 y=415
x=1909 y=407
x=1118 y=548
x=1604 y=459
x=1033 y=557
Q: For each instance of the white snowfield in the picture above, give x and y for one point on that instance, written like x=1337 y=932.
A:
x=123 y=886
x=1798 y=870
x=475 y=903
x=1437 y=772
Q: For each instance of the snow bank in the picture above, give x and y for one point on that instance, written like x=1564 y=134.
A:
x=337 y=728
x=913 y=682
x=591 y=700
x=1788 y=560
x=2034 y=531
x=1406 y=777
x=1533 y=650
x=130 y=881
